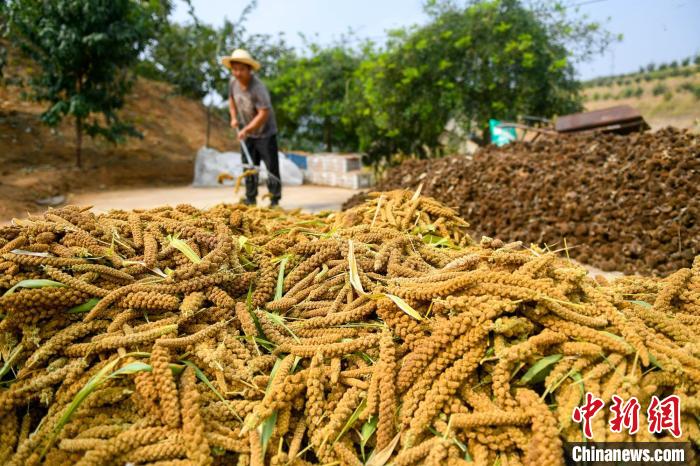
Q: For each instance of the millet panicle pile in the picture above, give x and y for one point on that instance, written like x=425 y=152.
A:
x=379 y=335
x=628 y=203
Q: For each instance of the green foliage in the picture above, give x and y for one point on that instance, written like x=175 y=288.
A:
x=686 y=87
x=311 y=94
x=690 y=87
x=188 y=56
x=488 y=59
x=3 y=33
x=493 y=59
x=84 y=51
x=626 y=93
x=659 y=89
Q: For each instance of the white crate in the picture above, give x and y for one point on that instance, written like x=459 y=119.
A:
x=355 y=180
x=337 y=163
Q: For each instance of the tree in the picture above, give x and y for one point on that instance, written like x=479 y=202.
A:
x=188 y=56
x=185 y=55
x=3 y=33
x=85 y=50
x=311 y=95
x=490 y=59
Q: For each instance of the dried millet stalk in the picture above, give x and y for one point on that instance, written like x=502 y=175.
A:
x=263 y=410
x=256 y=452
x=387 y=390
x=165 y=385
x=156 y=452
x=118 y=341
x=265 y=285
x=446 y=385
x=123 y=442
x=192 y=423
x=74 y=282
x=315 y=399
x=340 y=415
x=545 y=447
x=183 y=342
x=464 y=344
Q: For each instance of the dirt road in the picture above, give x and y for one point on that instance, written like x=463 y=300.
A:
x=309 y=198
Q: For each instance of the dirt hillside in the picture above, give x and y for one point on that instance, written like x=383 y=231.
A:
x=670 y=101
x=39 y=162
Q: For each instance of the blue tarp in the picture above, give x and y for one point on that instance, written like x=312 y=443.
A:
x=298 y=159
x=499 y=135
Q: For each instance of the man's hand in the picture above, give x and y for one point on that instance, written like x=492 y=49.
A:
x=234 y=123
x=242 y=134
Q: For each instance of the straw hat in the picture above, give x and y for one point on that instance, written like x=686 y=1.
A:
x=240 y=56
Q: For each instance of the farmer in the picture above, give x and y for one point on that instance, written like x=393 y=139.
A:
x=250 y=106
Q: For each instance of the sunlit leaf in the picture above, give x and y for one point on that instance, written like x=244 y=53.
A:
x=352 y=419
x=184 y=248
x=404 y=306
x=354 y=272
x=280 y=278
x=381 y=457
x=16 y=351
x=266 y=429
x=641 y=303
x=93 y=384
x=366 y=432
x=540 y=369
x=85 y=307
x=205 y=380
x=22 y=252
x=34 y=283
x=416 y=195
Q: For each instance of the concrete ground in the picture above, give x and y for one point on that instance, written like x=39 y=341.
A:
x=308 y=197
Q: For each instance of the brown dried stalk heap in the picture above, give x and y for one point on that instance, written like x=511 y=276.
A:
x=246 y=336
x=628 y=203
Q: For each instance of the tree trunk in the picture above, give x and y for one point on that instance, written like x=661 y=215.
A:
x=328 y=136
x=79 y=128
x=79 y=142
x=208 y=124
x=485 y=135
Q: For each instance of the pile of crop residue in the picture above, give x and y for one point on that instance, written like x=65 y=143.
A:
x=628 y=203
x=382 y=334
